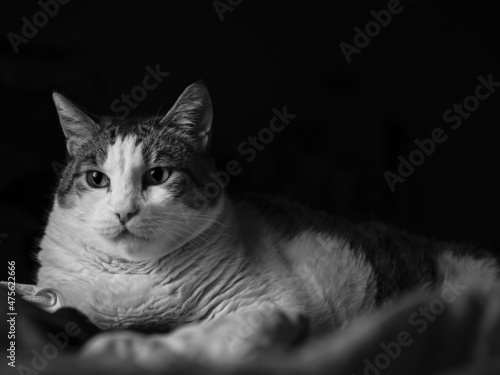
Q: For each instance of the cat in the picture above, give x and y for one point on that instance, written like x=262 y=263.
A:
x=135 y=240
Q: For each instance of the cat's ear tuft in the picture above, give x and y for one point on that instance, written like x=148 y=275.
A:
x=77 y=126
x=192 y=113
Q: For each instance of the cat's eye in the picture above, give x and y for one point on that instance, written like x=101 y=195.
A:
x=97 y=179
x=157 y=175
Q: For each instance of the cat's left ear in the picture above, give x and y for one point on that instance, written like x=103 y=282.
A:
x=77 y=126
x=192 y=113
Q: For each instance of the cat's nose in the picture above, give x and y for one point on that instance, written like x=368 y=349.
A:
x=125 y=216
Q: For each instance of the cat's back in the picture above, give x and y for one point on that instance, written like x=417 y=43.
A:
x=354 y=266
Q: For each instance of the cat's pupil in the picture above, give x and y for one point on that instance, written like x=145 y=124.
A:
x=97 y=177
x=156 y=174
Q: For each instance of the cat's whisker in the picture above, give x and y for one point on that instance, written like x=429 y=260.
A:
x=205 y=219
x=187 y=214
x=177 y=225
x=198 y=237
x=175 y=231
x=201 y=235
x=198 y=240
x=179 y=243
x=172 y=220
x=171 y=235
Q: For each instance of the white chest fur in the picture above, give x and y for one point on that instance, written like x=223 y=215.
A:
x=117 y=295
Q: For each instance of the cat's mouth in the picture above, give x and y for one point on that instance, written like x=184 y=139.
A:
x=126 y=235
x=122 y=233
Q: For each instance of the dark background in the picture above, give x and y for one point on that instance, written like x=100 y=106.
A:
x=353 y=120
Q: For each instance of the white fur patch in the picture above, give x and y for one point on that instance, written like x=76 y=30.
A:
x=467 y=270
x=124 y=166
x=333 y=275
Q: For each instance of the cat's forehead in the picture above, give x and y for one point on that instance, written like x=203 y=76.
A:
x=139 y=127
x=142 y=140
x=124 y=154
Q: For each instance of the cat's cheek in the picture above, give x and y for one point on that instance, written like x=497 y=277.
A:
x=158 y=196
x=95 y=207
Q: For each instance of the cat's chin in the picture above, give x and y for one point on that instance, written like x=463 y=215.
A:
x=129 y=248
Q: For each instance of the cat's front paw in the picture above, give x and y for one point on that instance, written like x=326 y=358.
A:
x=242 y=336
x=128 y=349
x=47 y=299
x=21 y=289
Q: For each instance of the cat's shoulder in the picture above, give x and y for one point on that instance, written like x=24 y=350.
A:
x=287 y=216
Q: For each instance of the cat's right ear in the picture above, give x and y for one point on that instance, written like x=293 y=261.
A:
x=77 y=126
x=192 y=113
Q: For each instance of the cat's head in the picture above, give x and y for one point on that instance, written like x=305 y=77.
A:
x=135 y=187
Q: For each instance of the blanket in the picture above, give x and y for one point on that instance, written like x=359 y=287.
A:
x=432 y=334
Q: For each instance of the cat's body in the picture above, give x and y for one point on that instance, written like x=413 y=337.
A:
x=275 y=254
x=242 y=261
x=137 y=251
